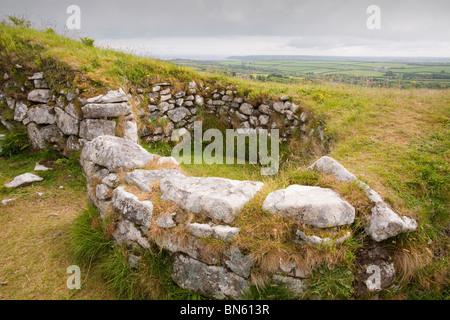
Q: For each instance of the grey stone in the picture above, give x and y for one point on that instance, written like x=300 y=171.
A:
x=165 y=91
x=263 y=119
x=156 y=88
x=330 y=166
x=199 y=100
x=237 y=262
x=315 y=206
x=163 y=106
x=178 y=114
x=207 y=280
x=144 y=178
x=22 y=180
x=218 y=198
x=114 y=153
x=73 y=144
x=165 y=221
x=179 y=95
x=113 y=96
x=40 y=167
x=126 y=232
x=51 y=134
x=225 y=233
x=200 y=230
x=37 y=76
x=190 y=245
x=93 y=128
x=103 y=192
x=72 y=110
x=66 y=123
x=112 y=180
x=384 y=223
x=372 y=259
x=188 y=104
x=20 y=111
x=131 y=132
x=35 y=137
x=166 y=97
x=42 y=114
x=246 y=108
x=40 y=84
x=109 y=110
x=39 y=95
x=301 y=237
x=129 y=206
x=294 y=285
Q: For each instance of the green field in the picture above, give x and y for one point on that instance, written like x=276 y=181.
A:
x=384 y=74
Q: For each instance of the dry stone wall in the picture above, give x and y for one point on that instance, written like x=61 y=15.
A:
x=128 y=184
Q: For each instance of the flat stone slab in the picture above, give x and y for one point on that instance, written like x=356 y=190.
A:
x=112 y=96
x=115 y=154
x=315 y=206
x=22 y=180
x=144 y=178
x=301 y=238
x=108 y=110
x=217 y=198
x=330 y=166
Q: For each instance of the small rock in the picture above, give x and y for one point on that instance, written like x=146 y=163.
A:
x=40 y=167
x=23 y=179
x=5 y=202
x=53 y=214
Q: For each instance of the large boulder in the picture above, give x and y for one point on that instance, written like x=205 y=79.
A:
x=315 y=206
x=207 y=280
x=115 y=154
x=217 y=198
x=131 y=208
x=330 y=166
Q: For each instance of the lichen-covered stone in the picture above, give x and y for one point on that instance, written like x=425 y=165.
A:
x=217 y=198
x=315 y=206
x=131 y=208
x=114 y=153
x=213 y=281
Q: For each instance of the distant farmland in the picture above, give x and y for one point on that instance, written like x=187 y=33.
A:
x=388 y=74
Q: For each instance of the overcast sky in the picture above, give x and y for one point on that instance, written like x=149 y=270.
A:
x=220 y=28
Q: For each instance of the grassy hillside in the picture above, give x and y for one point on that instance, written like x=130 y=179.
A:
x=397 y=141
